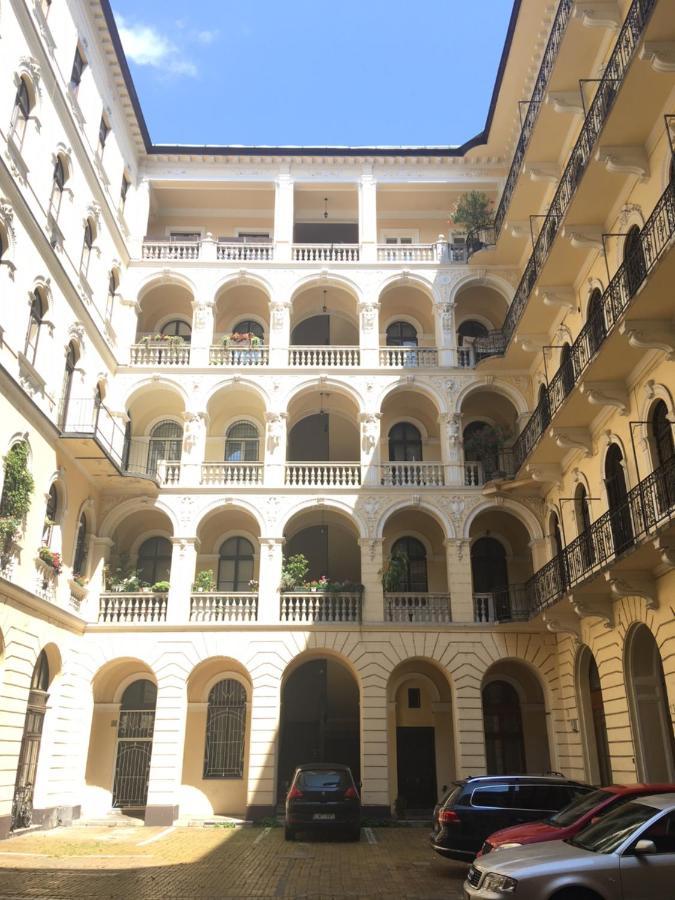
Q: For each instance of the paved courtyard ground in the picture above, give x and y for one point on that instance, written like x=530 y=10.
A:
x=160 y=863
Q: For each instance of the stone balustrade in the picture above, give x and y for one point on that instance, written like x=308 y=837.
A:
x=417 y=608
x=232 y=474
x=176 y=251
x=315 y=253
x=409 y=357
x=325 y=357
x=121 y=608
x=318 y=474
x=243 y=252
x=223 y=607
x=412 y=474
x=159 y=353
x=319 y=607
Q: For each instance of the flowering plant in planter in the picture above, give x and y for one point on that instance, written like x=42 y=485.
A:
x=51 y=559
x=173 y=340
x=80 y=580
x=241 y=339
x=253 y=585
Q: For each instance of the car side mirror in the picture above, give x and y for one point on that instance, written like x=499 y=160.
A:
x=644 y=847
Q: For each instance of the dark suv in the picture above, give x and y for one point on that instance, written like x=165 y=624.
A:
x=477 y=807
x=323 y=796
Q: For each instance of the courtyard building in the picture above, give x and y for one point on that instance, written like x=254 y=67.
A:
x=215 y=359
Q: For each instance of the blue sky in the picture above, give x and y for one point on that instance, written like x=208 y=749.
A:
x=311 y=73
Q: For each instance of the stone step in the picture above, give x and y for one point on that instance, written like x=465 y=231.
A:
x=210 y=821
x=111 y=820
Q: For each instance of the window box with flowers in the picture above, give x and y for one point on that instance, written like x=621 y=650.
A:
x=51 y=559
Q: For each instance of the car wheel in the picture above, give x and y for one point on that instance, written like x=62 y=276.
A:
x=289 y=834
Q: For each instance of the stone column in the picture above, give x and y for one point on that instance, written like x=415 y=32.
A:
x=369 y=334
x=100 y=549
x=183 y=569
x=451 y=450
x=194 y=448
x=280 y=333
x=370 y=448
x=283 y=217
x=269 y=578
x=263 y=746
x=368 y=217
x=371 y=578
x=202 y=333
x=375 y=797
x=126 y=323
x=275 y=449
x=460 y=582
x=168 y=743
x=136 y=215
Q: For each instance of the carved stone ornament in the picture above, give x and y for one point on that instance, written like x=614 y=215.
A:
x=194 y=425
x=186 y=512
x=7 y=217
x=447 y=317
x=273 y=509
x=370 y=431
x=371 y=509
x=275 y=429
x=368 y=316
x=278 y=315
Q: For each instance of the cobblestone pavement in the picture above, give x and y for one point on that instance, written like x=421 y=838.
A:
x=157 y=864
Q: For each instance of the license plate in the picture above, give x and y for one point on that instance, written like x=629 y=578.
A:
x=323 y=816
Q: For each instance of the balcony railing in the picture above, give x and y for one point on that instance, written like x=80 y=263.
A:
x=316 y=253
x=558 y=28
x=244 y=252
x=608 y=88
x=332 y=357
x=178 y=251
x=223 y=607
x=131 y=608
x=648 y=506
x=412 y=474
x=160 y=353
x=407 y=253
x=315 y=607
x=232 y=474
x=655 y=238
x=239 y=356
x=409 y=357
x=318 y=474
x=479 y=472
x=509 y=604
x=88 y=418
x=417 y=607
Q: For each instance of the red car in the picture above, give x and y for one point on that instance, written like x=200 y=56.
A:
x=575 y=816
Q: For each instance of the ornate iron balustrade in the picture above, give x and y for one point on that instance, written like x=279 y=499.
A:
x=119 y=608
x=320 y=608
x=655 y=238
x=417 y=607
x=648 y=506
x=508 y=604
x=608 y=88
x=223 y=607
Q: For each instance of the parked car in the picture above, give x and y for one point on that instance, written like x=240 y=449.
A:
x=477 y=807
x=323 y=797
x=570 y=820
x=628 y=854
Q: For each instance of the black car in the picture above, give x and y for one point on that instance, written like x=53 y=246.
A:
x=323 y=796
x=478 y=806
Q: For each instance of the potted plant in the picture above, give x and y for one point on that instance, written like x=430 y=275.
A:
x=51 y=559
x=474 y=210
x=253 y=585
x=80 y=580
x=395 y=572
x=160 y=587
x=294 y=572
x=204 y=582
x=485 y=445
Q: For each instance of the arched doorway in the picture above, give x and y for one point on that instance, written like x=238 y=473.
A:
x=663 y=454
x=24 y=786
x=320 y=719
x=650 y=716
x=135 y=729
x=593 y=721
x=617 y=500
x=634 y=260
x=413 y=564
x=595 y=318
x=490 y=579
x=567 y=368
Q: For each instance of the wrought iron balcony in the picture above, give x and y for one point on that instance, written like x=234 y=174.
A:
x=608 y=88
x=648 y=507
x=507 y=604
x=655 y=238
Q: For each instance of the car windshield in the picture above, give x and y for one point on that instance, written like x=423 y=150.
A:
x=321 y=780
x=613 y=829
x=581 y=805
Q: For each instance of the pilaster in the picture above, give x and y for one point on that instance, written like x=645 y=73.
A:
x=371 y=577
x=168 y=742
x=183 y=568
x=283 y=217
x=269 y=578
x=460 y=582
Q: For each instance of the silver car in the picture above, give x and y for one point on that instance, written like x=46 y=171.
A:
x=629 y=854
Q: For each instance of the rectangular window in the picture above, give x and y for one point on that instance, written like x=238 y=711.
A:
x=79 y=65
x=103 y=132
x=181 y=236
x=253 y=237
x=124 y=191
x=414 y=698
x=497 y=796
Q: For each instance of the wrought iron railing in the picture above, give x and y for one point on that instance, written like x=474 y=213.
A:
x=506 y=604
x=647 y=507
x=608 y=88
x=655 y=238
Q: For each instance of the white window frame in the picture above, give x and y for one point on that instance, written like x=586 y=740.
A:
x=412 y=236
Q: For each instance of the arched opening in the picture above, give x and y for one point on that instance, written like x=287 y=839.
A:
x=617 y=500
x=81 y=551
x=595 y=319
x=634 y=261
x=165 y=310
x=330 y=543
x=663 y=455
x=489 y=574
x=242 y=443
x=35 y=319
x=241 y=323
x=177 y=328
x=401 y=334
x=23 y=105
x=421 y=751
x=413 y=556
x=477 y=305
x=155 y=434
x=323 y=427
x=236 y=561
x=514 y=718
x=324 y=316
x=31 y=739
x=406 y=321
x=469 y=330
x=501 y=564
x=489 y=422
x=228 y=564
x=593 y=721
x=59 y=179
x=141 y=553
x=410 y=440
x=165 y=445
x=52 y=514
x=234 y=449
x=71 y=361
x=650 y=716
x=87 y=246
x=320 y=718
x=135 y=731
x=154 y=560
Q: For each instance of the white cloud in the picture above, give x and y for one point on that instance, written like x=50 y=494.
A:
x=145 y=46
x=206 y=37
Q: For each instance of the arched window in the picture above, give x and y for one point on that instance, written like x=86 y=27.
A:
x=225 y=727
x=235 y=565
x=40 y=678
x=20 y=113
x=617 y=499
x=415 y=577
x=154 y=560
x=490 y=579
x=634 y=260
x=51 y=512
x=405 y=443
x=582 y=514
x=113 y=284
x=482 y=444
x=557 y=549
x=248 y=326
x=597 y=328
x=472 y=330
x=71 y=361
x=166 y=442
x=662 y=434
x=36 y=315
x=58 y=183
x=401 y=334
x=544 y=407
x=87 y=247
x=567 y=368
x=81 y=541
x=178 y=328
x=242 y=443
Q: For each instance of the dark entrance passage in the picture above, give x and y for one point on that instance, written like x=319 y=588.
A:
x=416 y=767
x=319 y=719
